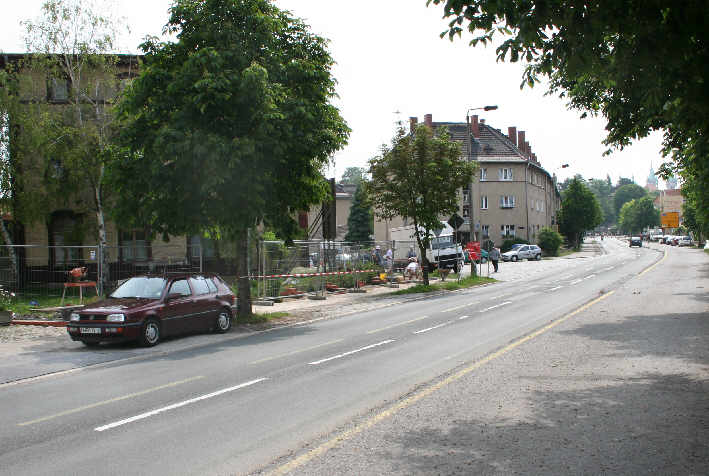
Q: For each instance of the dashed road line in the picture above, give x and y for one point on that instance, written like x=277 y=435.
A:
x=396 y=325
x=431 y=328
x=296 y=352
x=576 y=281
x=590 y=276
x=555 y=288
x=463 y=317
x=460 y=307
x=177 y=405
x=339 y=356
x=495 y=306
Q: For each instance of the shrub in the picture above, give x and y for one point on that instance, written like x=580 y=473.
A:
x=549 y=241
x=507 y=244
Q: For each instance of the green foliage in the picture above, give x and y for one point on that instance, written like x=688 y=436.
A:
x=228 y=127
x=637 y=215
x=642 y=65
x=603 y=190
x=418 y=177
x=626 y=193
x=450 y=285
x=359 y=223
x=549 y=241
x=507 y=244
x=580 y=211
x=354 y=175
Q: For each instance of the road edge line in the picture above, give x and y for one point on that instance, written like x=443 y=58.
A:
x=370 y=422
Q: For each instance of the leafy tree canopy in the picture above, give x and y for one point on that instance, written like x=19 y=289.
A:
x=627 y=193
x=354 y=175
x=642 y=65
x=637 y=215
x=579 y=212
x=230 y=126
x=418 y=177
x=359 y=222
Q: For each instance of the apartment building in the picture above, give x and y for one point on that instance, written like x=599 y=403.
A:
x=512 y=194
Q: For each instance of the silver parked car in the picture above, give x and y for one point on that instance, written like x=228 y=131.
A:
x=523 y=252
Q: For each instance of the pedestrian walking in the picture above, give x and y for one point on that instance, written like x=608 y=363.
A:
x=390 y=259
x=411 y=253
x=378 y=255
x=494 y=256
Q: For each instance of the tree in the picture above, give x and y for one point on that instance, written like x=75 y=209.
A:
x=638 y=214
x=602 y=189
x=228 y=127
x=70 y=45
x=353 y=175
x=626 y=193
x=610 y=57
x=579 y=212
x=418 y=177
x=549 y=241
x=359 y=223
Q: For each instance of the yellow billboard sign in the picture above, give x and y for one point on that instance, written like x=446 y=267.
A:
x=669 y=220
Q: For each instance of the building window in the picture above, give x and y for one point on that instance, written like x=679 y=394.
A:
x=134 y=246
x=466 y=212
x=541 y=206
x=507 y=201
x=505 y=174
x=65 y=237
x=58 y=90
x=466 y=196
x=507 y=231
x=486 y=231
x=483 y=202
x=483 y=175
x=198 y=245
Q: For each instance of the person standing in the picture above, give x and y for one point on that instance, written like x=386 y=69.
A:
x=390 y=260
x=494 y=257
x=411 y=253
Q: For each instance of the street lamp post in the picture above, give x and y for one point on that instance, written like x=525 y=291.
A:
x=471 y=221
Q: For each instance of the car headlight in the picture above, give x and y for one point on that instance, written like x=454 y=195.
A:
x=116 y=318
x=74 y=317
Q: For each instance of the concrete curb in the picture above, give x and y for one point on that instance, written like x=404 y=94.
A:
x=25 y=322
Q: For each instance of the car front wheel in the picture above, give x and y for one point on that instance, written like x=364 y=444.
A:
x=514 y=258
x=538 y=257
x=223 y=321
x=150 y=333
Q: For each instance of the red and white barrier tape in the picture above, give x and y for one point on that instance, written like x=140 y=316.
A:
x=308 y=275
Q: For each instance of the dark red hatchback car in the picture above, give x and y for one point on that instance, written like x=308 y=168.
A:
x=148 y=308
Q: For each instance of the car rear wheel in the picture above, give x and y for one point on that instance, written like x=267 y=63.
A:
x=150 y=333
x=514 y=258
x=538 y=257
x=223 y=321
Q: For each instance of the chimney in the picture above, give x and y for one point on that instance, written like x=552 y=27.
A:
x=526 y=149
x=512 y=134
x=529 y=151
x=428 y=120
x=475 y=127
x=413 y=121
x=520 y=141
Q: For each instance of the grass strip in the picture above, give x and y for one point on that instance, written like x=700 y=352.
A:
x=451 y=285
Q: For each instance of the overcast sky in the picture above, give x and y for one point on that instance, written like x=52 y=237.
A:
x=391 y=64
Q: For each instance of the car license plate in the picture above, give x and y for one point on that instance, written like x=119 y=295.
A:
x=90 y=330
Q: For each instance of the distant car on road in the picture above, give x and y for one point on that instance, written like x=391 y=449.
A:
x=636 y=241
x=147 y=308
x=684 y=241
x=523 y=252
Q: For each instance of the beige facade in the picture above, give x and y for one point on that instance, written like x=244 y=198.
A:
x=343 y=202
x=511 y=196
x=670 y=201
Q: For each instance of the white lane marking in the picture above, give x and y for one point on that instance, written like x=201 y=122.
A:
x=608 y=268
x=112 y=400
x=554 y=289
x=590 y=276
x=576 y=281
x=339 y=356
x=565 y=276
x=177 y=405
x=431 y=328
x=374 y=331
x=496 y=306
x=463 y=317
x=496 y=297
x=295 y=352
x=460 y=307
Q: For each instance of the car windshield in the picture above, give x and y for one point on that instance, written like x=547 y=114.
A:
x=143 y=287
x=442 y=242
x=515 y=246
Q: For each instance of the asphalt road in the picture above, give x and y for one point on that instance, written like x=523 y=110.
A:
x=261 y=402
